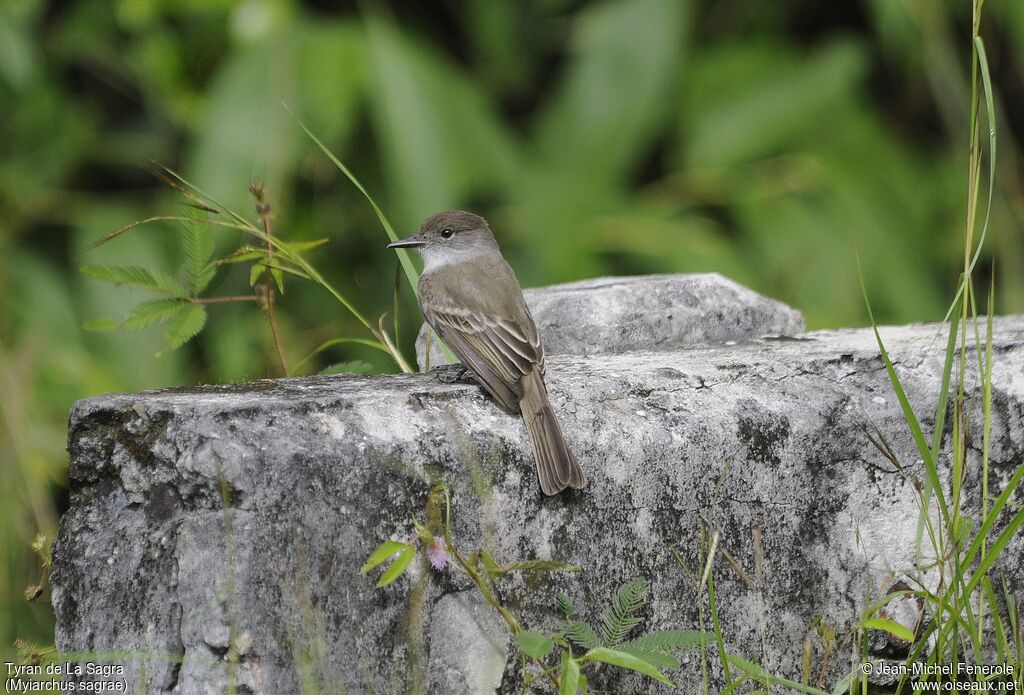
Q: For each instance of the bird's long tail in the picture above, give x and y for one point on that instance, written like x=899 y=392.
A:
x=556 y=466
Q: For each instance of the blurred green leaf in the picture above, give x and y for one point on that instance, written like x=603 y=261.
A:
x=619 y=88
x=244 y=131
x=398 y=567
x=101 y=325
x=333 y=64
x=441 y=139
x=184 y=325
x=136 y=277
x=19 y=55
x=385 y=550
x=197 y=242
x=534 y=644
x=256 y=271
x=569 y=676
x=748 y=100
x=889 y=626
x=627 y=661
x=152 y=311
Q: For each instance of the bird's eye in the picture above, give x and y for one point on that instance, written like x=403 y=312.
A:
x=447 y=233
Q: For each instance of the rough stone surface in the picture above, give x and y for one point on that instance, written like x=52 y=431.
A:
x=228 y=524
x=644 y=312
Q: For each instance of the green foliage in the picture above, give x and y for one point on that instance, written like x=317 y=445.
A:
x=889 y=626
x=582 y=634
x=656 y=648
x=137 y=277
x=620 y=617
x=749 y=147
x=624 y=660
x=569 y=675
x=534 y=644
x=184 y=325
x=400 y=554
x=645 y=654
x=197 y=243
x=384 y=551
x=565 y=605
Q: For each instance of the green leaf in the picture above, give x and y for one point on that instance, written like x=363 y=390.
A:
x=565 y=605
x=569 y=678
x=756 y=98
x=619 y=86
x=279 y=267
x=656 y=647
x=351 y=367
x=624 y=660
x=197 y=241
x=665 y=640
x=490 y=566
x=146 y=313
x=255 y=272
x=245 y=253
x=619 y=618
x=582 y=634
x=534 y=644
x=136 y=277
x=101 y=325
x=278 y=278
x=226 y=149
x=890 y=626
x=333 y=53
x=185 y=325
x=456 y=144
x=300 y=247
x=384 y=551
x=540 y=566
x=654 y=658
x=397 y=567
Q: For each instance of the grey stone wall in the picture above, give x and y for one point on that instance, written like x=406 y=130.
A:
x=227 y=524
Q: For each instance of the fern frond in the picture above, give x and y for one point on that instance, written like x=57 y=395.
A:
x=149 y=312
x=582 y=634
x=656 y=648
x=185 y=325
x=666 y=640
x=137 y=277
x=619 y=618
x=565 y=605
x=197 y=241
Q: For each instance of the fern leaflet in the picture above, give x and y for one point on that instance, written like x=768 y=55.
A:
x=620 y=617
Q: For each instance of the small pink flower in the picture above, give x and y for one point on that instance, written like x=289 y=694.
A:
x=436 y=553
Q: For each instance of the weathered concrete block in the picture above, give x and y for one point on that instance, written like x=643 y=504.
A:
x=228 y=524
x=642 y=313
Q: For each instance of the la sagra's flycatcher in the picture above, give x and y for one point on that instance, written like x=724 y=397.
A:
x=471 y=298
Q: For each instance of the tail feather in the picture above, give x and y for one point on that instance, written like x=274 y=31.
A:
x=556 y=466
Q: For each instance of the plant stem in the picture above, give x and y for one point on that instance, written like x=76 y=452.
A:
x=509 y=619
x=263 y=210
x=232 y=298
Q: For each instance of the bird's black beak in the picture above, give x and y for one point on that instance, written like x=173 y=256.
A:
x=406 y=243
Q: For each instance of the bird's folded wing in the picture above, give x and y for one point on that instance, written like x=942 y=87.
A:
x=498 y=350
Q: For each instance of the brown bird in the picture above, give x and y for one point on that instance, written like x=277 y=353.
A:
x=472 y=299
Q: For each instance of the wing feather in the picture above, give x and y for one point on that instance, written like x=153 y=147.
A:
x=499 y=350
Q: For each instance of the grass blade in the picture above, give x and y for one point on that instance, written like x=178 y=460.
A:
x=403 y=255
x=627 y=661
